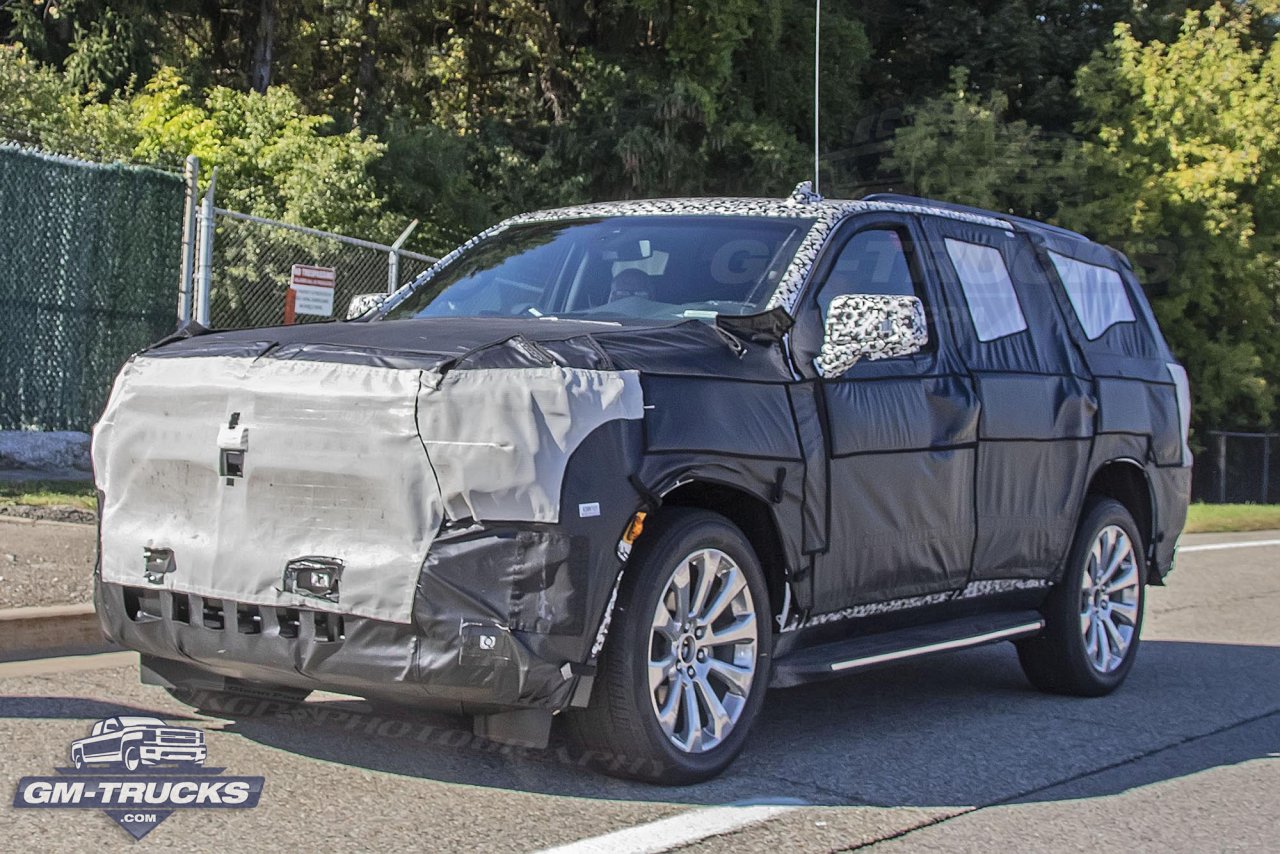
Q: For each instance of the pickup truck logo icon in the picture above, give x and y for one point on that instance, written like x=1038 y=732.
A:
x=133 y=742
x=139 y=771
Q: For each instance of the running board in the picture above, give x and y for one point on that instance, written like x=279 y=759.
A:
x=846 y=656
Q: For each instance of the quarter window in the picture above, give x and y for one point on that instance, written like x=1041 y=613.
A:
x=988 y=290
x=1096 y=293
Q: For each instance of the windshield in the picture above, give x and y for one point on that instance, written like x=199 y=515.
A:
x=615 y=268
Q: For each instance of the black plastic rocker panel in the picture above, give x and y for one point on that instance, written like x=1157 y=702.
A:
x=830 y=660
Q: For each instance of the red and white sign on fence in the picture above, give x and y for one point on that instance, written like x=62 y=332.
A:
x=310 y=291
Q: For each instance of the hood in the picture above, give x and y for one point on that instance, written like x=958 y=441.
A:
x=690 y=347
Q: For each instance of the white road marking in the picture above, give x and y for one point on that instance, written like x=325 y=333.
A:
x=679 y=830
x=1213 y=547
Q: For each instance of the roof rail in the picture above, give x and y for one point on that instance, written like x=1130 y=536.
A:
x=1030 y=224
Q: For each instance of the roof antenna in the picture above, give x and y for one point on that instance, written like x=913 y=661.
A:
x=806 y=192
x=817 y=31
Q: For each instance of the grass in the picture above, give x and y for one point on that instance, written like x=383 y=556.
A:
x=47 y=493
x=1225 y=518
x=1201 y=518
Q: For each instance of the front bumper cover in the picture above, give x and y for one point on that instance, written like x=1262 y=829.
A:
x=499 y=621
x=169 y=753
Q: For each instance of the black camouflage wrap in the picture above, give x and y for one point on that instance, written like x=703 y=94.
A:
x=934 y=472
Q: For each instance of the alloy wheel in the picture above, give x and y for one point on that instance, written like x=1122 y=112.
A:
x=1109 y=591
x=702 y=651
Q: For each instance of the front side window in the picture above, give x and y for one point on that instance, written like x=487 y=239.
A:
x=615 y=268
x=1096 y=293
x=874 y=261
x=988 y=290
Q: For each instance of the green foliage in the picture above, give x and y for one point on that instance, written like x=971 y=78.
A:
x=1148 y=125
x=1226 y=518
x=100 y=56
x=1184 y=150
x=39 y=105
x=961 y=146
x=49 y=493
x=273 y=158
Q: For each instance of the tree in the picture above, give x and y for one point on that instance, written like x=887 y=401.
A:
x=1184 y=161
x=1027 y=50
x=961 y=147
x=274 y=158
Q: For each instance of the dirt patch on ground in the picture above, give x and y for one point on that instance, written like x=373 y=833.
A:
x=44 y=564
x=52 y=513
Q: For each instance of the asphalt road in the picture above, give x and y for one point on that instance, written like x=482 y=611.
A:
x=954 y=753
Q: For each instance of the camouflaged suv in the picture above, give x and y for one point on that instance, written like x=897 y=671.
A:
x=631 y=464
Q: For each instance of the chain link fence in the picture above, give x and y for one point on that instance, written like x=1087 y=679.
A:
x=90 y=254
x=1238 y=468
x=89 y=259
x=249 y=273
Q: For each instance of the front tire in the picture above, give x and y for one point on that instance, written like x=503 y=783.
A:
x=1093 y=617
x=132 y=758
x=686 y=666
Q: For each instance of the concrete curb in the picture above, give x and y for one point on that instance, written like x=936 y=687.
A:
x=23 y=520
x=51 y=630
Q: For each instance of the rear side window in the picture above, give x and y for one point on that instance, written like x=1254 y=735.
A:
x=988 y=290
x=1096 y=293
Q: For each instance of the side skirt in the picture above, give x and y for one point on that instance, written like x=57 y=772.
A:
x=830 y=660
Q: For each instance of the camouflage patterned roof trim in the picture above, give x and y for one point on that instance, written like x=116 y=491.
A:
x=827 y=213
x=709 y=206
x=805 y=194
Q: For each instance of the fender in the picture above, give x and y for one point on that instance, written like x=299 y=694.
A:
x=1145 y=517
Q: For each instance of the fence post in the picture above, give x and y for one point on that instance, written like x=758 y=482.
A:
x=204 y=275
x=1222 y=468
x=191 y=176
x=1266 y=468
x=393 y=258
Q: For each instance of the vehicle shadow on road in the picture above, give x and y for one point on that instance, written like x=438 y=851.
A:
x=78 y=708
x=959 y=730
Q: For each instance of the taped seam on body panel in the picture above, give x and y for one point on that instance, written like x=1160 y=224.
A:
x=499 y=439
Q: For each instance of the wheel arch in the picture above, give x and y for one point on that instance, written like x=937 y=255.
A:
x=1125 y=480
x=753 y=516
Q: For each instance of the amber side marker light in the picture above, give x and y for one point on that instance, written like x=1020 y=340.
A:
x=634 y=528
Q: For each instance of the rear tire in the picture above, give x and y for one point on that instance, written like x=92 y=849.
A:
x=1093 y=617
x=686 y=665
